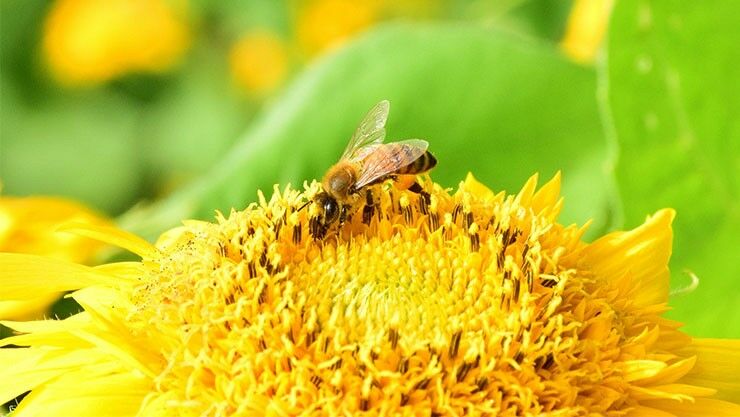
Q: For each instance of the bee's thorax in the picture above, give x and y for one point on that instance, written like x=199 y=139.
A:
x=339 y=180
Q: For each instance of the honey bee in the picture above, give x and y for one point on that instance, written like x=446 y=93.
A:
x=365 y=162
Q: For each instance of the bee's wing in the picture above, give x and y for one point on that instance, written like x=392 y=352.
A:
x=389 y=158
x=370 y=132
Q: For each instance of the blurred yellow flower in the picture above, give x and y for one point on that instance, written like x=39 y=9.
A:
x=443 y=304
x=28 y=225
x=259 y=62
x=323 y=24
x=587 y=25
x=92 y=41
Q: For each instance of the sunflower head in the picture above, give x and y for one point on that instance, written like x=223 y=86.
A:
x=431 y=303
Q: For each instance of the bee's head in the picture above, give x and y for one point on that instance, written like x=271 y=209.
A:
x=328 y=214
x=329 y=207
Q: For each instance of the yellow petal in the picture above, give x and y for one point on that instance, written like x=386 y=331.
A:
x=640 y=369
x=14 y=374
x=636 y=259
x=717 y=366
x=107 y=307
x=678 y=392
x=27 y=309
x=48 y=326
x=701 y=407
x=56 y=333
x=476 y=187
x=128 y=272
x=112 y=235
x=160 y=404
x=118 y=346
x=115 y=395
x=26 y=368
x=527 y=192
x=670 y=373
x=547 y=199
x=642 y=411
x=28 y=225
x=29 y=276
x=80 y=332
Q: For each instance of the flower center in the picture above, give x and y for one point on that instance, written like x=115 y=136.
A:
x=436 y=299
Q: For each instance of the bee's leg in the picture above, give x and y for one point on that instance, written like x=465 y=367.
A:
x=316 y=228
x=369 y=209
x=416 y=188
x=424 y=198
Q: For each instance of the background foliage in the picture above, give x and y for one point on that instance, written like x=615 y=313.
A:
x=269 y=92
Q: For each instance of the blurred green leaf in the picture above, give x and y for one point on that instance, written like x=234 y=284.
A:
x=81 y=146
x=544 y=18
x=20 y=35
x=674 y=94
x=77 y=144
x=192 y=123
x=499 y=105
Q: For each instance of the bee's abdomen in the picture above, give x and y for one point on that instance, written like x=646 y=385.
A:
x=421 y=165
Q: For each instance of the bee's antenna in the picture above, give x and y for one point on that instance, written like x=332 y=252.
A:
x=304 y=205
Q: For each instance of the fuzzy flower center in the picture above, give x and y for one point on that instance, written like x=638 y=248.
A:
x=433 y=302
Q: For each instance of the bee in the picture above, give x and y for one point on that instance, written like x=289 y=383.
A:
x=365 y=162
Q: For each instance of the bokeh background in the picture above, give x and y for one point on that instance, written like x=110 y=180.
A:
x=153 y=111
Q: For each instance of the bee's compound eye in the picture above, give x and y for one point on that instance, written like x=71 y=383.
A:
x=331 y=210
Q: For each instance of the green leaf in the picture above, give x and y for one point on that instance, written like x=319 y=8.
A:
x=195 y=120
x=493 y=103
x=80 y=146
x=674 y=89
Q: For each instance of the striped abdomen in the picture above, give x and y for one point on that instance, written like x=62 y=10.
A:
x=421 y=165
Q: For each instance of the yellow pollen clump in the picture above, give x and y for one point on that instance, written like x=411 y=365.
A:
x=483 y=311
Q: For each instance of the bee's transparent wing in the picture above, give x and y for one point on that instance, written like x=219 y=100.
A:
x=389 y=158
x=370 y=132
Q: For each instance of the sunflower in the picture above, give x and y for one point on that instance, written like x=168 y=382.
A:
x=437 y=303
